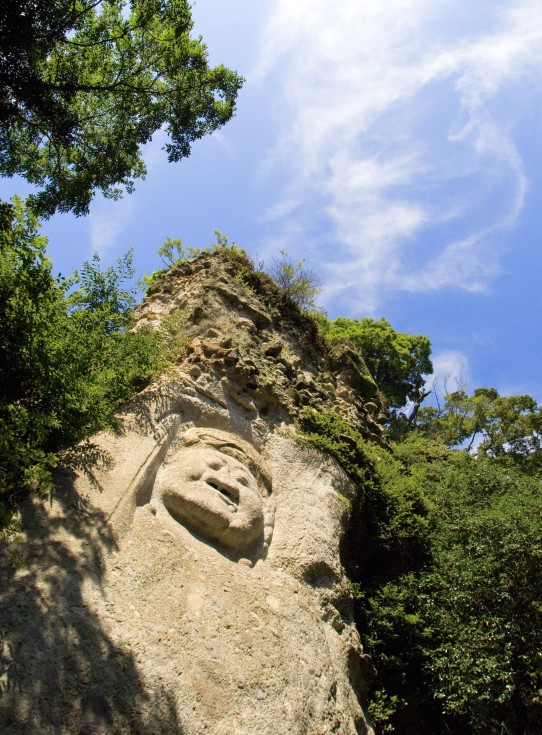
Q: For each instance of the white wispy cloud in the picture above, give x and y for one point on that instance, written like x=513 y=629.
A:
x=393 y=119
x=107 y=222
x=450 y=371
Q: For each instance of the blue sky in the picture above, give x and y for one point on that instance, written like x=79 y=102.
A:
x=396 y=146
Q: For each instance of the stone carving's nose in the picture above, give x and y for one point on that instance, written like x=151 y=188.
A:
x=223 y=483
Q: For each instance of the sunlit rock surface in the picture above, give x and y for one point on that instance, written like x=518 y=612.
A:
x=186 y=577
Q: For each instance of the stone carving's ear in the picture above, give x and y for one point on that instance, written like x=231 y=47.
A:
x=269 y=524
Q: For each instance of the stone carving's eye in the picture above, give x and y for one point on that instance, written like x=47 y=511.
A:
x=242 y=481
x=214 y=464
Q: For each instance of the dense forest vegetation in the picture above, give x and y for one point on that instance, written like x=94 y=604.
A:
x=444 y=552
x=444 y=548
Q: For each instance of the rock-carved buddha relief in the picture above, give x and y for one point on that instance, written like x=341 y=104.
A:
x=216 y=485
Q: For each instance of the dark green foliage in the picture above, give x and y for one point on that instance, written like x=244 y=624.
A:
x=398 y=362
x=445 y=552
x=392 y=505
x=500 y=425
x=483 y=595
x=84 y=84
x=456 y=640
x=385 y=546
x=332 y=434
x=30 y=309
x=66 y=361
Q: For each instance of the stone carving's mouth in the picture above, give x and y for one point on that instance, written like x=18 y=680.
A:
x=227 y=493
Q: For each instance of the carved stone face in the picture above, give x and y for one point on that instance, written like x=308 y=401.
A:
x=214 y=495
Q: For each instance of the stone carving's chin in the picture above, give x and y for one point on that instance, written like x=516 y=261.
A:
x=214 y=517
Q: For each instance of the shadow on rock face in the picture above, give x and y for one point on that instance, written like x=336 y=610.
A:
x=52 y=641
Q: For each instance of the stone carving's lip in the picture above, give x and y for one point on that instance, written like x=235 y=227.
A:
x=228 y=493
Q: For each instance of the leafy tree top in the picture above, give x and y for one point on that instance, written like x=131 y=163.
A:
x=398 y=362
x=493 y=424
x=85 y=83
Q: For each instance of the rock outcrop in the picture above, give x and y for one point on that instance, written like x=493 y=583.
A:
x=186 y=577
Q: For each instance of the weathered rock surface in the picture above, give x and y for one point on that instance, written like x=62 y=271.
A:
x=186 y=578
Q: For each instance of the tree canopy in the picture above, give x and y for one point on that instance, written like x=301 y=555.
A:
x=85 y=83
x=444 y=554
x=67 y=358
x=492 y=424
x=399 y=362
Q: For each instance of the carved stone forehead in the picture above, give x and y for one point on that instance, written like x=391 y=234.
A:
x=231 y=445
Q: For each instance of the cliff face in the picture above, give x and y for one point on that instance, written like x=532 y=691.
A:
x=187 y=578
x=245 y=344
